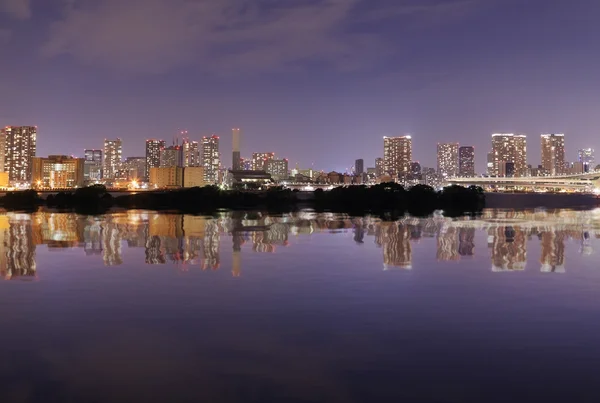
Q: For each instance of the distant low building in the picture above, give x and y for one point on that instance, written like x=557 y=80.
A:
x=166 y=177
x=253 y=178
x=57 y=172
x=193 y=177
x=278 y=169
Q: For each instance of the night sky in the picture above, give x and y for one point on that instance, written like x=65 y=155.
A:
x=316 y=81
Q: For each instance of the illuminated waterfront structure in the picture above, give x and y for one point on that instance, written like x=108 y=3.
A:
x=153 y=148
x=447 y=160
x=135 y=168
x=57 y=172
x=236 y=158
x=211 y=159
x=553 y=153
x=113 y=155
x=586 y=157
x=20 y=148
x=166 y=177
x=466 y=161
x=509 y=154
x=397 y=156
x=278 y=169
x=260 y=160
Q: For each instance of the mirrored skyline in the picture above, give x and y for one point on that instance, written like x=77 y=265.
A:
x=187 y=242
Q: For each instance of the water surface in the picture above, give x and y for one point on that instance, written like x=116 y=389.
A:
x=149 y=307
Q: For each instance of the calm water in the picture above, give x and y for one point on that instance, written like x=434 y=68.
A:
x=149 y=307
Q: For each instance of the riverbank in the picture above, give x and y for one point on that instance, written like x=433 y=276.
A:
x=387 y=198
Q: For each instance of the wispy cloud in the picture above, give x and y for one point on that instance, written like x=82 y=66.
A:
x=20 y=9
x=231 y=35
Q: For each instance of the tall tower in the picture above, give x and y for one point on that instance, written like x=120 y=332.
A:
x=359 y=167
x=447 y=159
x=191 y=153
x=397 y=155
x=153 y=148
x=509 y=149
x=211 y=159
x=466 y=161
x=236 y=159
x=113 y=152
x=553 y=153
x=379 y=167
x=20 y=146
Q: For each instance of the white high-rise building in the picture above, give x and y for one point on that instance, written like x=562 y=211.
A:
x=20 y=148
x=586 y=157
x=509 y=154
x=211 y=159
x=113 y=155
x=553 y=153
x=447 y=159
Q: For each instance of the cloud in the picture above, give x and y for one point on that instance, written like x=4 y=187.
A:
x=20 y=9
x=229 y=36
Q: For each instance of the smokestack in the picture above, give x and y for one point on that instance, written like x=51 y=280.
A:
x=235 y=157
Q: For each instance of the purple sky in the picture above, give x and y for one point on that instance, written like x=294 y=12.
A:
x=316 y=81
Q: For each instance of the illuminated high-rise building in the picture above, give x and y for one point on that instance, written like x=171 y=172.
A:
x=153 y=148
x=20 y=146
x=359 y=167
x=113 y=153
x=509 y=150
x=586 y=157
x=191 y=153
x=211 y=159
x=553 y=153
x=466 y=161
x=397 y=156
x=57 y=172
x=447 y=159
x=378 y=167
x=236 y=158
x=260 y=160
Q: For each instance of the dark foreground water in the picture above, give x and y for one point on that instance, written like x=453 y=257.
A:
x=147 y=307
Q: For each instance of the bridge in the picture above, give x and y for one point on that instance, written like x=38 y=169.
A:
x=589 y=182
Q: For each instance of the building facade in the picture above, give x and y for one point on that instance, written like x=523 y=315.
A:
x=113 y=154
x=397 y=156
x=278 y=169
x=553 y=153
x=260 y=160
x=211 y=159
x=166 y=177
x=512 y=149
x=447 y=160
x=466 y=161
x=135 y=168
x=58 y=172
x=153 y=148
x=190 y=153
x=193 y=177
x=20 y=148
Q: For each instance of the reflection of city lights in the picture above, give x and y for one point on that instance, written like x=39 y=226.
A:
x=597 y=191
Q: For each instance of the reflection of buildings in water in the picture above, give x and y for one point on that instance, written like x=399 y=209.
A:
x=509 y=248
x=212 y=239
x=447 y=244
x=586 y=244
x=153 y=251
x=17 y=257
x=553 y=252
x=394 y=238
x=92 y=238
x=466 y=241
x=111 y=245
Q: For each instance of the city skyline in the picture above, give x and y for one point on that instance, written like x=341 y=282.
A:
x=303 y=100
